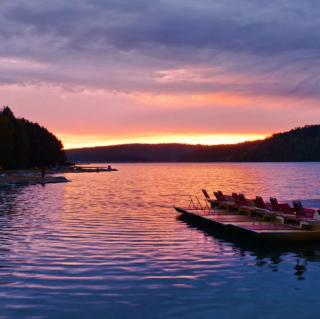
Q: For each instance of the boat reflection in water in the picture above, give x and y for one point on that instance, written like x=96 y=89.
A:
x=267 y=254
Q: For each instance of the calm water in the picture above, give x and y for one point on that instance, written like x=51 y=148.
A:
x=108 y=245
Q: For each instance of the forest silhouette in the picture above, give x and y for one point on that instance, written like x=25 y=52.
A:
x=299 y=144
x=24 y=144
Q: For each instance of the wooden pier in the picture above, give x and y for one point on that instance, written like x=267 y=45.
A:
x=84 y=169
x=251 y=226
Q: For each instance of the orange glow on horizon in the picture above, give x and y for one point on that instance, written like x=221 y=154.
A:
x=79 y=141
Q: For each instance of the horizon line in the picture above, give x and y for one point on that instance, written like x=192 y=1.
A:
x=165 y=143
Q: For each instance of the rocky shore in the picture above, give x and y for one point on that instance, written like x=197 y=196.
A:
x=16 y=179
x=33 y=176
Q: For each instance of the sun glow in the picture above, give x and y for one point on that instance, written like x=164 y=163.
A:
x=78 y=141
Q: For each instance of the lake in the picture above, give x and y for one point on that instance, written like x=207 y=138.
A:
x=109 y=245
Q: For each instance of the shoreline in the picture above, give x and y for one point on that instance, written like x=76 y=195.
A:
x=33 y=176
x=26 y=179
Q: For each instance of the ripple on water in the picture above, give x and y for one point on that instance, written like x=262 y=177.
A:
x=109 y=245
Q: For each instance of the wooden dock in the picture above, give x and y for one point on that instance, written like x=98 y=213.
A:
x=245 y=225
x=84 y=169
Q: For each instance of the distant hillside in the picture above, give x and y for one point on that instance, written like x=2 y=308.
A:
x=132 y=153
x=300 y=144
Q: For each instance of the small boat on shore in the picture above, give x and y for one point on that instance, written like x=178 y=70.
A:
x=272 y=221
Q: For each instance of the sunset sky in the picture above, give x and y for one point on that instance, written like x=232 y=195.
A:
x=101 y=72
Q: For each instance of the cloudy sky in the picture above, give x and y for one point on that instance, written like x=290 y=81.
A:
x=99 y=72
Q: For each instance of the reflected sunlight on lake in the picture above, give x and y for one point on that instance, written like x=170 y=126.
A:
x=109 y=245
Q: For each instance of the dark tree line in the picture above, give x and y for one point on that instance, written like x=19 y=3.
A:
x=300 y=144
x=24 y=144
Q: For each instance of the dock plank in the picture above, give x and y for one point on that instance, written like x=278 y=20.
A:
x=231 y=218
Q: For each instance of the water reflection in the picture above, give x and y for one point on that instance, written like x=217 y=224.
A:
x=109 y=245
x=266 y=254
